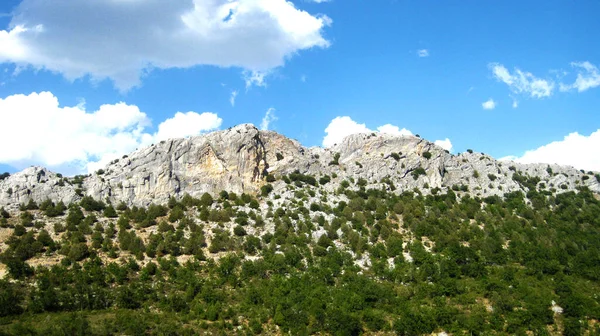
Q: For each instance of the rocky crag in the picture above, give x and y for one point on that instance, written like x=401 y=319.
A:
x=241 y=158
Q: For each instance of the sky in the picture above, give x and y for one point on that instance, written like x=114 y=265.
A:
x=84 y=82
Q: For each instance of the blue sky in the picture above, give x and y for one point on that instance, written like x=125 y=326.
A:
x=515 y=79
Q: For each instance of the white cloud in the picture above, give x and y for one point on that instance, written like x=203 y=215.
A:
x=341 y=127
x=575 y=150
x=423 y=53
x=37 y=130
x=588 y=77
x=394 y=130
x=122 y=40
x=268 y=119
x=523 y=82
x=320 y=1
x=187 y=124
x=256 y=78
x=234 y=94
x=515 y=102
x=490 y=104
x=445 y=144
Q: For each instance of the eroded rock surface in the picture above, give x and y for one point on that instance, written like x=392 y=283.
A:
x=238 y=159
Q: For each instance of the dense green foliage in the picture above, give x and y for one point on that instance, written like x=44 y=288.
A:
x=432 y=263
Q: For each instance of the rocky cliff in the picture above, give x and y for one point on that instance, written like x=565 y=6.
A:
x=240 y=158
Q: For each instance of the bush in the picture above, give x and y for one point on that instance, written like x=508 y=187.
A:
x=110 y=212
x=90 y=204
x=4 y=213
x=239 y=231
x=427 y=155
x=266 y=189
x=78 y=252
x=336 y=160
x=418 y=172
x=206 y=200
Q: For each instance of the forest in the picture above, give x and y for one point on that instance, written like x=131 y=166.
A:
x=360 y=260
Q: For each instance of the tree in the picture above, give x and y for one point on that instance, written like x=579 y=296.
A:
x=10 y=299
x=206 y=200
x=110 y=212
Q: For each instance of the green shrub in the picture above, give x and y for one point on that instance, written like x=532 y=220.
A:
x=324 y=180
x=418 y=172
x=239 y=231
x=336 y=160
x=266 y=189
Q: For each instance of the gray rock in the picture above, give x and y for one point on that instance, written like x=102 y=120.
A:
x=239 y=158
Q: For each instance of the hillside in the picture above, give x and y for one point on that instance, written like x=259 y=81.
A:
x=247 y=232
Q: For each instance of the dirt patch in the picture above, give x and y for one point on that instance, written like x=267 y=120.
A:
x=3 y=271
x=5 y=233
x=44 y=261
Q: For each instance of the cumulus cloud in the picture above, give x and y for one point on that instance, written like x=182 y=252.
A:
x=268 y=119
x=122 y=40
x=490 y=104
x=341 y=127
x=423 y=53
x=394 y=130
x=588 y=77
x=35 y=129
x=187 y=124
x=522 y=82
x=445 y=144
x=575 y=150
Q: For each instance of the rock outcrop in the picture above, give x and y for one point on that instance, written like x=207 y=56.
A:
x=239 y=159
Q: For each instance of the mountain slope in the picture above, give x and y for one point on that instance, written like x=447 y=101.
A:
x=240 y=158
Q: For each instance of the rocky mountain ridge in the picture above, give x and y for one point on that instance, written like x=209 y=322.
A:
x=241 y=158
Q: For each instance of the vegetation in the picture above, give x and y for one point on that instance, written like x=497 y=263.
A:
x=336 y=159
x=355 y=261
x=418 y=172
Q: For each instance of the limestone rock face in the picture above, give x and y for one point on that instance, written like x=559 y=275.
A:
x=238 y=160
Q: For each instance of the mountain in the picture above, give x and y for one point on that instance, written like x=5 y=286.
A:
x=239 y=160
x=247 y=232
